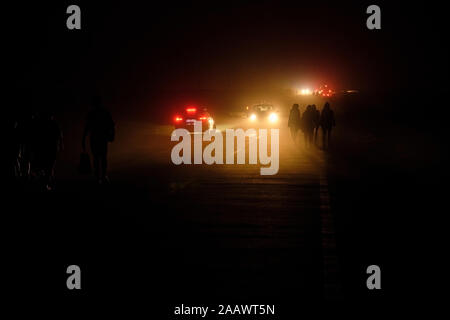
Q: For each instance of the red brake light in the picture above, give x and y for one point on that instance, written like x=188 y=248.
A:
x=203 y=118
x=178 y=119
x=191 y=110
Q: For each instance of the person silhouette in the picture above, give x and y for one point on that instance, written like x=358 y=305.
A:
x=13 y=146
x=24 y=130
x=294 y=121
x=308 y=125
x=47 y=140
x=101 y=130
x=327 y=122
x=316 y=122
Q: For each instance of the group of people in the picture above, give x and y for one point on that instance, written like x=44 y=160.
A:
x=309 y=123
x=38 y=139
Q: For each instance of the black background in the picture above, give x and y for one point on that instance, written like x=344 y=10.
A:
x=133 y=53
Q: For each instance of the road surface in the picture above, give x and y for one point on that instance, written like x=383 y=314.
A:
x=202 y=233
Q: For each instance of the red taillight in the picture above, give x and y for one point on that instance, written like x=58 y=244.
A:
x=203 y=118
x=178 y=119
x=191 y=110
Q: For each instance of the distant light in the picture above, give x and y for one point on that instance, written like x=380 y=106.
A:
x=305 y=92
x=273 y=117
x=252 y=117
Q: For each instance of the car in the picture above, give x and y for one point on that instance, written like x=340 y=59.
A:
x=186 y=118
x=262 y=113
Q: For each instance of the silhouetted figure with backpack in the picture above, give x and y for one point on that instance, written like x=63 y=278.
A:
x=294 y=121
x=101 y=130
x=327 y=122
x=308 y=125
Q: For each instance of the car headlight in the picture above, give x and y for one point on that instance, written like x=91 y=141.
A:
x=211 y=123
x=273 y=117
x=252 y=117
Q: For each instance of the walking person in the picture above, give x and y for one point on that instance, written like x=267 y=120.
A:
x=294 y=121
x=327 y=122
x=308 y=125
x=47 y=140
x=101 y=130
x=316 y=122
x=25 y=134
x=12 y=148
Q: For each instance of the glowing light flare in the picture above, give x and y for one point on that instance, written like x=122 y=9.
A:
x=273 y=117
x=305 y=92
x=252 y=117
x=324 y=91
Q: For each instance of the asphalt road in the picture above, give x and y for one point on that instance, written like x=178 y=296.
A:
x=253 y=236
x=196 y=233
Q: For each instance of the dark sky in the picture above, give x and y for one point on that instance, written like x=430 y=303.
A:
x=138 y=48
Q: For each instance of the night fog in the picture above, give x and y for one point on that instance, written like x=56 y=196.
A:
x=146 y=54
